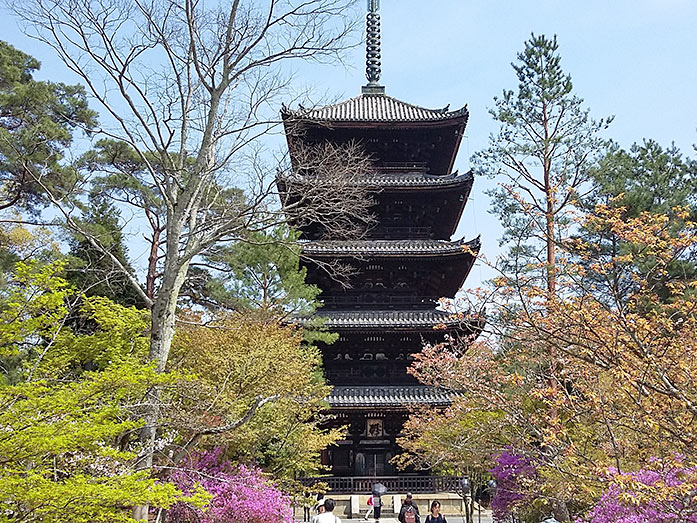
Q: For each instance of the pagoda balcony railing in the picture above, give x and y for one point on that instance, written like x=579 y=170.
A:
x=407 y=167
x=394 y=484
x=366 y=372
x=379 y=300
x=401 y=232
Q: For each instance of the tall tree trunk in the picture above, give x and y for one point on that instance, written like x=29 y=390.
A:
x=161 y=335
x=549 y=238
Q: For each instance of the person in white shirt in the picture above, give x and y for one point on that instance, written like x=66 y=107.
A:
x=328 y=515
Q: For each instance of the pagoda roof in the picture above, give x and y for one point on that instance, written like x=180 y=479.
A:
x=374 y=108
x=372 y=319
x=421 y=180
x=395 y=179
x=411 y=247
x=388 y=396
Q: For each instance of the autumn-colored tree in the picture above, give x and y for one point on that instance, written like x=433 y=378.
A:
x=254 y=387
x=622 y=390
x=652 y=179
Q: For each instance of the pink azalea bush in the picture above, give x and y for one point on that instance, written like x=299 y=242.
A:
x=240 y=494
x=511 y=469
x=660 y=493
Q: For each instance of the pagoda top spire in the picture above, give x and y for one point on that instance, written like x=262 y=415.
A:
x=372 y=50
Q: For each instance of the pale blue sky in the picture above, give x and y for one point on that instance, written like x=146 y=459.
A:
x=635 y=59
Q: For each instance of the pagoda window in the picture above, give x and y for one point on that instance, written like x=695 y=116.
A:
x=367 y=356
x=374 y=267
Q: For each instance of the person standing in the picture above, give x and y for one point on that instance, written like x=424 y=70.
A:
x=328 y=515
x=435 y=516
x=307 y=507
x=409 y=512
x=377 y=508
x=320 y=510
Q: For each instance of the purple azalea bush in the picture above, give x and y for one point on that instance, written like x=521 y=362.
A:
x=241 y=494
x=662 y=493
x=510 y=470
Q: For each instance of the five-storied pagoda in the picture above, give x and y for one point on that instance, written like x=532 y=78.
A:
x=405 y=263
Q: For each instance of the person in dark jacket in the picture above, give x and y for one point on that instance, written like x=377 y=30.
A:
x=435 y=516
x=408 y=505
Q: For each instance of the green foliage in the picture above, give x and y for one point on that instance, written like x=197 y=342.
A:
x=19 y=243
x=69 y=402
x=544 y=147
x=650 y=178
x=235 y=361
x=645 y=179
x=32 y=310
x=129 y=177
x=262 y=273
x=123 y=174
x=37 y=122
x=90 y=270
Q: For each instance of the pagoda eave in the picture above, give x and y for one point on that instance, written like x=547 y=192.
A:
x=390 y=248
x=422 y=182
x=375 y=397
x=373 y=110
x=416 y=320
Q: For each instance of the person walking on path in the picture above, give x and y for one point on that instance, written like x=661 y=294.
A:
x=435 y=516
x=409 y=512
x=370 y=508
x=328 y=515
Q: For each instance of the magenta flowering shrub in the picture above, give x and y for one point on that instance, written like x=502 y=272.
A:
x=241 y=494
x=660 y=493
x=511 y=472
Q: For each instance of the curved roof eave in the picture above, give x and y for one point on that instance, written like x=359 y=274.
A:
x=381 y=248
x=373 y=109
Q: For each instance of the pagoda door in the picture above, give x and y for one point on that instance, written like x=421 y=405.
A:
x=378 y=463
x=375 y=463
